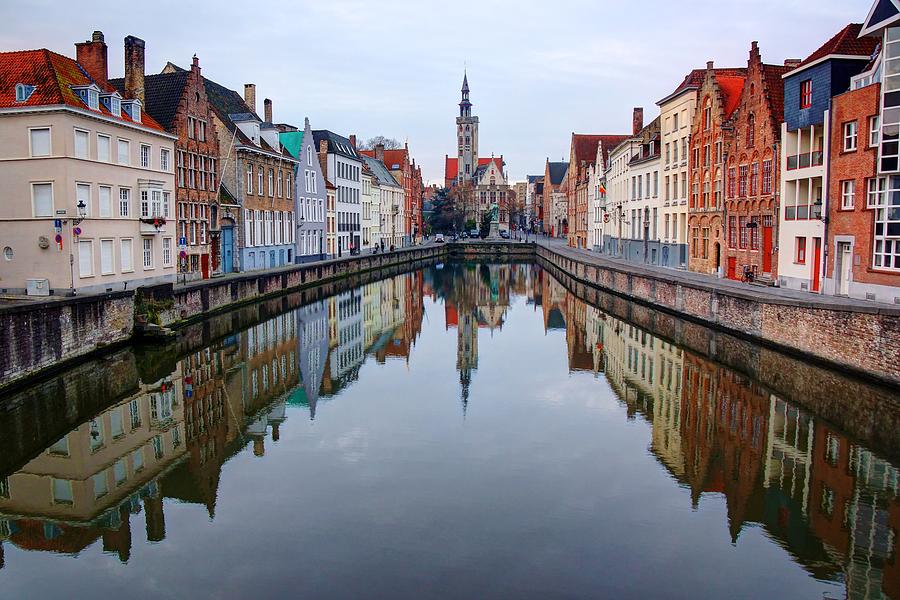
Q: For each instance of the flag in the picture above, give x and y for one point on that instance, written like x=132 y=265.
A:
x=602 y=189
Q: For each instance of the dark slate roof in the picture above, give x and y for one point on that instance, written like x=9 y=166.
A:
x=162 y=95
x=535 y=178
x=557 y=172
x=845 y=42
x=337 y=144
x=539 y=188
x=381 y=172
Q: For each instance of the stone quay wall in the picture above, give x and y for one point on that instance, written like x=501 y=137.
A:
x=862 y=339
x=36 y=336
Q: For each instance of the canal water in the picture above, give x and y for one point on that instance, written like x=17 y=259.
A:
x=463 y=431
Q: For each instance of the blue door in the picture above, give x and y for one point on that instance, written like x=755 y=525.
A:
x=227 y=249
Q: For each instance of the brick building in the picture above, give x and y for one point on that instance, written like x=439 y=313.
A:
x=176 y=99
x=751 y=155
x=555 y=219
x=582 y=155
x=711 y=129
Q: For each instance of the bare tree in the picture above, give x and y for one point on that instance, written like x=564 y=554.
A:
x=389 y=143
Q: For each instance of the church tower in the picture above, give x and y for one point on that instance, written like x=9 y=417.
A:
x=467 y=137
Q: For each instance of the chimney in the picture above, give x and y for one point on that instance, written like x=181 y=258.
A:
x=134 y=68
x=323 y=157
x=379 y=152
x=92 y=56
x=792 y=63
x=353 y=140
x=754 y=52
x=250 y=96
x=195 y=64
x=709 y=65
x=267 y=107
x=637 y=120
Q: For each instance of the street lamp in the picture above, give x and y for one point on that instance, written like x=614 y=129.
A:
x=82 y=213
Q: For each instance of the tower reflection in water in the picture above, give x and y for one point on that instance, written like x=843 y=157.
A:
x=830 y=502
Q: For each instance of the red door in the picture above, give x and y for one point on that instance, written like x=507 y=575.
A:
x=767 y=250
x=817 y=260
x=732 y=267
x=204 y=265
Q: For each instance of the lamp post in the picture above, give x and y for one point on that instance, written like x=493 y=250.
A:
x=300 y=223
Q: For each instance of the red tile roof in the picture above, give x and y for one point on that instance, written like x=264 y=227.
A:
x=694 y=79
x=52 y=76
x=450 y=169
x=585 y=146
x=775 y=89
x=732 y=87
x=846 y=42
x=391 y=157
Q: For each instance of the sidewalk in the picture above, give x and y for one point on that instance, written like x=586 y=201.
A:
x=755 y=292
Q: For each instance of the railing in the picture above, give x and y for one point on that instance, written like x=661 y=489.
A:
x=803 y=161
x=803 y=212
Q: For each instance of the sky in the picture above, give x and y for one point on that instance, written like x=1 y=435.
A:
x=538 y=71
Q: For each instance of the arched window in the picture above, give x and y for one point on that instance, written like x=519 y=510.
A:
x=707 y=114
x=751 y=130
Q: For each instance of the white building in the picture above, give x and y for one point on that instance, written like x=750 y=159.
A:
x=344 y=171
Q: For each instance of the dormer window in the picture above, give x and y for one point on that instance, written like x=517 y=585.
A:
x=112 y=103
x=90 y=95
x=132 y=109
x=23 y=92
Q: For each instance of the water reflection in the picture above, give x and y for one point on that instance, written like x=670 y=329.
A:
x=828 y=500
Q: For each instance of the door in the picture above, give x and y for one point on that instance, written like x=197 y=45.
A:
x=732 y=267
x=227 y=249
x=767 y=250
x=817 y=262
x=204 y=265
x=845 y=268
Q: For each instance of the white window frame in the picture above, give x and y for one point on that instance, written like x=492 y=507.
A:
x=851 y=131
x=85 y=244
x=145 y=152
x=874 y=130
x=167 y=251
x=31 y=144
x=165 y=159
x=79 y=185
x=34 y=210
x=100 y=209
x=129 y=266
x=108 y=144
x=848 y=193
x=125 y=203
x=147 y=253
x=87 y=142
x=119 y=146
x=111 y=268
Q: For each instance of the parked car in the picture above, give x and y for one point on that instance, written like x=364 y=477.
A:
x=474 y=233
x=439 y=238
x=504 y=234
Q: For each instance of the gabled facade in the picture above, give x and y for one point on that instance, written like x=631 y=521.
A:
x=752 y=158
x=556 y=220
x=256 y=197
x=89 y=178
x=805 y=136
x=583 y=150
x=712 y=129
x=177 y=100
x=490 y=187
x=309 y=194
x=390 y=197
x=404 y=170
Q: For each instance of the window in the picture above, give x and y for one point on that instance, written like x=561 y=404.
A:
x=124 y=147
x=742 y=231
x=42 y=199
x=105 y=201
x=145 y=203
x=271 y=182
x=106 y=257
x=874 y=131
x=259 y=181
x=145 y=156
x=124 y=202
x=62 y=491
x=23 y=92
x=166 y=201
x=806 y=94
x=875 y=192
x=707 y=116
x=887 y=227
x=754 y=179
x=732 y=232
x=191 y=127
x=40 y=141
x=103 y=147
x=705 y=248
x=201 y=133
x=85 y=258
x=164 y=157
x=83 y=196
x=800 y=254
x=850 y=136
x=767 y=177
x=309 y=154
x=249 y=179
x=126 y=255
x=167 y=251
x=848 y=190
x=742 y=182
x=148 y=252
x=81 y=143
x=751 y=130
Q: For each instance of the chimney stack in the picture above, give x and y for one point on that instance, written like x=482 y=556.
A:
x=267 y=108
x=323 y=157
x=92 y=56
x=250 y=96
x=637 y=120
x=709 y=65
x=379 y=152
x=195 y=64
x=353 y=140
x=792 y=63
x=134 y=68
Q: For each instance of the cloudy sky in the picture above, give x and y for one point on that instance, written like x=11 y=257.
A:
x=538 y=70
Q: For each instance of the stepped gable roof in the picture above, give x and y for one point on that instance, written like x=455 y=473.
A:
x=162 y=95
x=557 y=171
x=53 y=77
x=772 y=76
x=694 y=80
x=452 y=165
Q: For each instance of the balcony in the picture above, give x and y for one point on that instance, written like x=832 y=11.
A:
x=152 y=225
x=803 y=212
x=804 y=161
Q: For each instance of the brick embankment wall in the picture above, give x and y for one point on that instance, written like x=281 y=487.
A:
x=867 y=412
x=41 y=335
x=862 y=339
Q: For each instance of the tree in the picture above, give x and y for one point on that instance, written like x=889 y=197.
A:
x=485 y=224
x=389 y=143
x=446 y=215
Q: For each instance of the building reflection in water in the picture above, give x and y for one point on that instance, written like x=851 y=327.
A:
x=832 y=504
